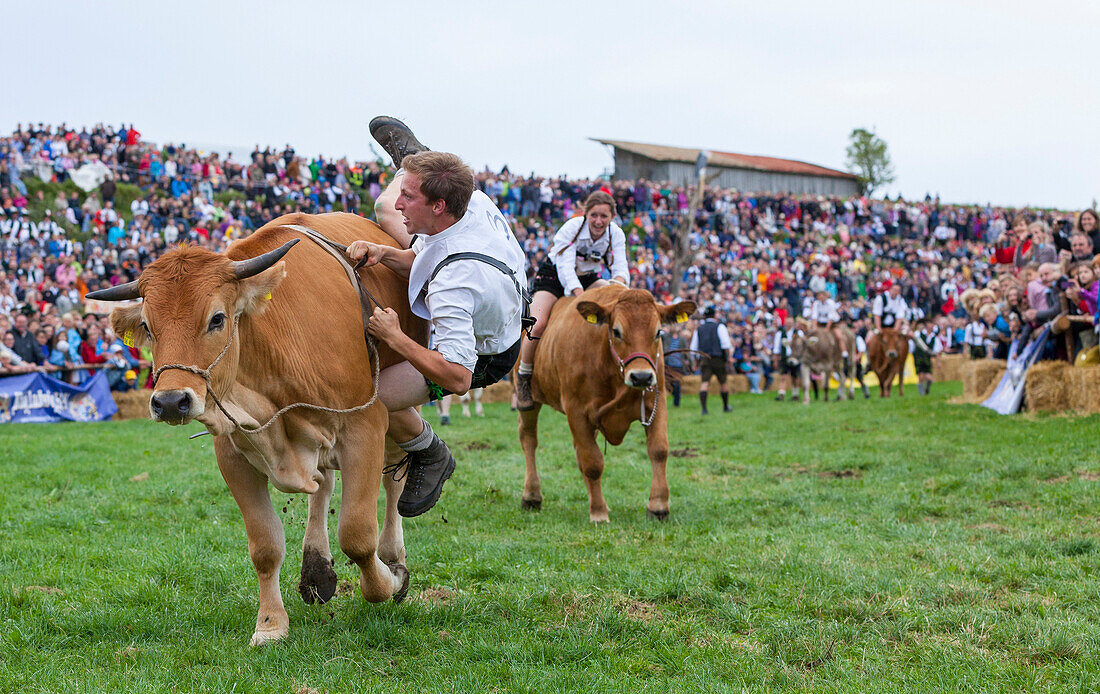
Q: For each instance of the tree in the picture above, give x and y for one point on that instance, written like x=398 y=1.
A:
x=869 y=159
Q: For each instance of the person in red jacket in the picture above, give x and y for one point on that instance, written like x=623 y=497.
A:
x=1005 y=253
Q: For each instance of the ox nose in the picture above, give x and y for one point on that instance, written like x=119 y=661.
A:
x=642 y=379
x=891 y=355
x=171 y=405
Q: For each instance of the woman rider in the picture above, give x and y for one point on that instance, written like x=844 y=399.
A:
x=581 y=247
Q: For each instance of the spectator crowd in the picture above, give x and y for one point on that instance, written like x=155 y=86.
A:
x=87 y=208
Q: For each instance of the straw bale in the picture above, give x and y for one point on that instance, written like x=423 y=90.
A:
x=1083 y=389
x=132 y=405
x=948 y=367
x=1046 y=386
x=980 y=377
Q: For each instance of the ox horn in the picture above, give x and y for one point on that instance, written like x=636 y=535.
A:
x=123 y=292
x=254 y=266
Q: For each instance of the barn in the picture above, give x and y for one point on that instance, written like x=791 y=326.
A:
x=744 y=172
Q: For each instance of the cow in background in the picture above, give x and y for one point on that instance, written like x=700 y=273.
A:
x=818 y=352
x=887 y=351
x=600 y=364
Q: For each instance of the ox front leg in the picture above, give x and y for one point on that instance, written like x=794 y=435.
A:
x=318 y=580
x=391 y=543
x=656 y=443
x=266 y=542
x=357 y=530
x=590 y=461
x=805 y=372
x=901 y=380
x=529 y=441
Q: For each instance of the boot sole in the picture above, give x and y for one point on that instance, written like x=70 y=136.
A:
x=414 y=510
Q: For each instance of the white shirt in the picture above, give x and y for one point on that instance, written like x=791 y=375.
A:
x=896 y=306
x=825 y=311
x=576 y=253
x=474 y=307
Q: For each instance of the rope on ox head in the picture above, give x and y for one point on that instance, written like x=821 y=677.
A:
x=205 y=375
x=622 y=371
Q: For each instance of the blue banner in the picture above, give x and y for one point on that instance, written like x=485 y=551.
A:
x=39 y=398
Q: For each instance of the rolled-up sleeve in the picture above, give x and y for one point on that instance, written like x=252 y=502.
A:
x=452 y=319
x=618 y=254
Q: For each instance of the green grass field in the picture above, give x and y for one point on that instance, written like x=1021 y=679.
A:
x=909 y=545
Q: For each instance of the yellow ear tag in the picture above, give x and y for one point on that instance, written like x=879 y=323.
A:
x=128 y=338
x=592 y=319
x=681 y=318
x=267 y=297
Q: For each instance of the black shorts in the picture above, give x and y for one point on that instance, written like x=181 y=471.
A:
x=922 y=362
x=546 y=280
x=788 y=368
x=713 y=366
x=489 y=369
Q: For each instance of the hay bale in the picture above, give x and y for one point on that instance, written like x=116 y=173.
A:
x=132 y=405
x=948 y=367
x=980 y=377
x=1083 y=389
x=1046 y=386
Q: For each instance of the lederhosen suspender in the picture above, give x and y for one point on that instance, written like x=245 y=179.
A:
x=528 y=321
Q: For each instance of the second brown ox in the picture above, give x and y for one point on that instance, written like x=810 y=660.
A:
x=886 y=354
x=600 y=364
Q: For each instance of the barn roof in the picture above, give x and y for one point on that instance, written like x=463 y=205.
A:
x=725 y=159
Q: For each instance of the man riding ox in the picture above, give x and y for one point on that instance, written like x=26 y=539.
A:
x=600 y=364
x=819 y=352
x=238 y=338
x=888 y=347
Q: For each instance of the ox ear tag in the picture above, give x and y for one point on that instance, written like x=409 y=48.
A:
x=681 y=318
x=592 y=319
x=128 y=338
x=267 y=297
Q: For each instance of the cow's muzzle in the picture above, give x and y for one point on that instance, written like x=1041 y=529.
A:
x=892 y=354
x=640 y=378
x=175 y=406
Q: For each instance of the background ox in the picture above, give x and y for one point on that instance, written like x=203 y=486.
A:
x=599 y=363
x=294 y=332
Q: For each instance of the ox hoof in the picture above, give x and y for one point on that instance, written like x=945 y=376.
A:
x=402 y=572
x=262 y=637
x=657 y=515
x=598 y=518
x=531 y=504
x=318 y=582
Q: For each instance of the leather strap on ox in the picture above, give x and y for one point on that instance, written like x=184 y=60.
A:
x=622 y=371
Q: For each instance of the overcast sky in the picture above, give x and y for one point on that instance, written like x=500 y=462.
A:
x=978 y=101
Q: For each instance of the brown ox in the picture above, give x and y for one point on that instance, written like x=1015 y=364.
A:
x=886 y=354
x=599 y=363
x=295 y=334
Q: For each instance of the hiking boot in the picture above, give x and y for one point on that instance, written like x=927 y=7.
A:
x=395 y=137
x=524 y=400
x=426 y=471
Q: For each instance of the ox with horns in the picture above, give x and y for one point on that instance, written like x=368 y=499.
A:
x=600 y=364
x=238 y=337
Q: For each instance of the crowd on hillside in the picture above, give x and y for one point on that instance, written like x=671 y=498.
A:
x=760 y=261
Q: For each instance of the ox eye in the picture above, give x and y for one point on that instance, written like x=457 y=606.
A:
x=217 y=322
x=145 y=326
x=617 y=332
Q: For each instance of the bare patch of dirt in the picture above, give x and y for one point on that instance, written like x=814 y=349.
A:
x=840 y=474
x=1060 y=479
x=127 y=653
x=346 y=587
x=140 y=477
x=687 y=452
x=1089 y=475
x=49 y=590
x=477 y=446
x=639 y=611
x=991 y=527
x=436 y=596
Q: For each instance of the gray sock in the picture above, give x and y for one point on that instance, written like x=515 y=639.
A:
x=420 y=442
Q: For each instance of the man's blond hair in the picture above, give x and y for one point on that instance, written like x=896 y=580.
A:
x=443 y=176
